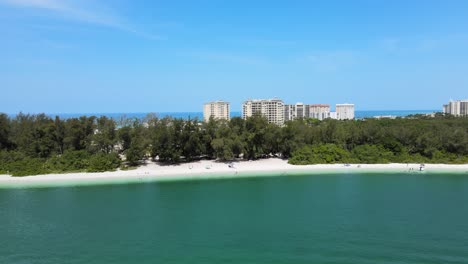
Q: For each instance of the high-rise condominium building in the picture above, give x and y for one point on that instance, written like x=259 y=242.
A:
x=445 y=109
x=457 y=107
x=319 y=111
x=272 y=109
x=217 y=110
x=298 y=110
x=344 y=111
x=289 y=112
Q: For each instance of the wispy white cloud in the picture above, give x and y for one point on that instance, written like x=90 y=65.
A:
x=79 y=11
x=227 y=57
x=390 y=44
x=332 y=61
x=444 y=43
x=422 y=44
x=260 y=42
x=34 y=3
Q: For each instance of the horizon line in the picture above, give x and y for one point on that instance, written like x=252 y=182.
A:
x=156 y=112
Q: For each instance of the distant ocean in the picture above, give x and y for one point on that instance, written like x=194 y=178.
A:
x=199 y=115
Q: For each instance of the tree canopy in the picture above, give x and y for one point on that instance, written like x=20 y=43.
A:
x=36 y=144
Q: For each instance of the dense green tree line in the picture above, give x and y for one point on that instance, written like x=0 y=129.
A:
x=35 y=144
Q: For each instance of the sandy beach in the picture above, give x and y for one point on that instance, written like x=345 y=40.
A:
x=152 y=171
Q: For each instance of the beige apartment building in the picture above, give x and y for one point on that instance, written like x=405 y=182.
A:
x=272 y=109
x=456 y=108
x=319 y=111
x=217 y=110
x=295 y=111
x=344 y=111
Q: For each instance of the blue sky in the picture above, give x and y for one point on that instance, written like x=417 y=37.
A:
x=72 y=56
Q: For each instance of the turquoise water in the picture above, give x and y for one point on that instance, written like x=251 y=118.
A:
x=342 y=218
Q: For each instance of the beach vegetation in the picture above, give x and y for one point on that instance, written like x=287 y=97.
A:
x=38 y=144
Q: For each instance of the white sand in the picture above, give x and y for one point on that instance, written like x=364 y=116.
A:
x=210 y=169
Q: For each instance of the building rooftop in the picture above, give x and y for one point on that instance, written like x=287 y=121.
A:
x=219 y=101
x=264 y=100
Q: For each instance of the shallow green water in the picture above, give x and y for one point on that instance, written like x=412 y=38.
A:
x=346 y=218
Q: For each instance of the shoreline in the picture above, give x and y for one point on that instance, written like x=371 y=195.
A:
x=199 y=170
